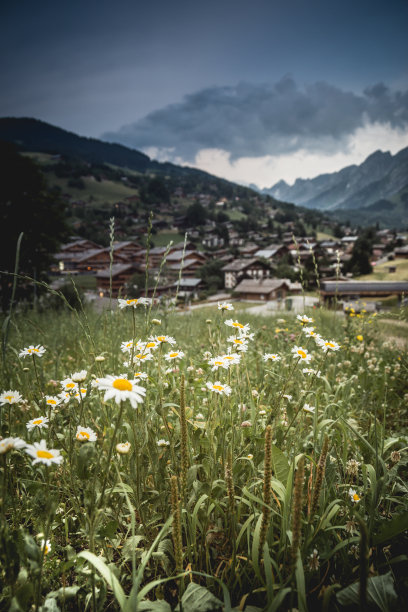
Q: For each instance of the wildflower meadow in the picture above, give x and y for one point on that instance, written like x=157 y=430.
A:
x=205 y=460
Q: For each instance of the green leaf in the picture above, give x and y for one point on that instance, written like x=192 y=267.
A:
x=154 y=606
x=109 y=530
x=198 y=599
x=390 y=529
x=380 y=592
x=64 y=594
x=107 y=574
x=280 y=464
x=300 y=584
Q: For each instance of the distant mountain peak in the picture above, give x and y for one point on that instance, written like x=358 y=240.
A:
x=380 y=178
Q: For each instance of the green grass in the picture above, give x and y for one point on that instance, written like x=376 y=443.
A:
x=103 y=191
x=380 y=271
x=211 y=483
x=236 y=215
x=164 y=238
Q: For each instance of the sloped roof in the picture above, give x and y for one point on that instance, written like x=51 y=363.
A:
x=116 y=270
x=355 y=287
x=239 y=264
x=266 y=285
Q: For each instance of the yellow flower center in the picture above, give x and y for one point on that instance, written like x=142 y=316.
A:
x=128 y=302
x=227 y=357
x=236 y=324
x=51 y=401
x=122 y=384
x=35 y=350
x=329 y=344
x=84 y=434
x=9 y=397
x=150 y=345
x=70 y=385
x=356 y=497
x=220 y=362
x=218 y=387
x=173 y=354
x=44 y=454
x=161 y=338
x=140 y=356
x=37 y=421
x=238 y=341
x=302 y=354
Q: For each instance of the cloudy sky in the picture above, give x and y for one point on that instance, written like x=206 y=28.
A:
x=251 y=90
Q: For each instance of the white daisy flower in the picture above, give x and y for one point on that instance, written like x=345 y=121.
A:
x=151 y=344
x=39 y=422
x=225 y=306
x=354 y=496
x=52 y=400
x=239 y=326
x=162 y=443
x=79 y=376
x=69 y=385
x=140 y=375
x=37 y=351
x=239 y=343
x=174 y=355
x=304 y=319
x=140 y=357
x=41 y=454
x=288 y=397
x=219 y=388
x=328 y=345
x=219 y=362
x=271 y=357
x=80 y=393
x=166 y=340
x=133 y=303
x=310 y=333
x=65 y=396
x=308 y=408
x=123 y=448
x=126 y=347
x=311 y=372
x=300 y=353
x=10 y=397
x=85 y=434
x=45 y=545
x=121 y=389
x=231 y=358
x=7 y=444
x=200 y=416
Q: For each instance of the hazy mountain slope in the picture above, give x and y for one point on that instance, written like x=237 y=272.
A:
x=380 y=176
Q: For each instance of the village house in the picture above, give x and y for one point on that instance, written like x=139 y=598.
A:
x=121 y=274
x=266 y=289
x=239 y=269
x=272 y=253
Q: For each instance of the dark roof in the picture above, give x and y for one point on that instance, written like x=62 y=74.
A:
x=188 y=282
x=266 y=285
x=239 y=264
x=355 y=287
x=116 y=270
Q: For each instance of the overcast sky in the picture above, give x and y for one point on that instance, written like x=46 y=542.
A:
x=252 y=90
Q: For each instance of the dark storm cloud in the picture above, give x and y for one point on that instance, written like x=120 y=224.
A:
x=254 y=120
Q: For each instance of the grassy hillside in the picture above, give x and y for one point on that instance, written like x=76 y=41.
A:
x=381 y=273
